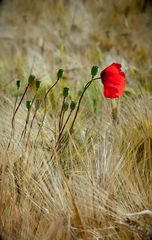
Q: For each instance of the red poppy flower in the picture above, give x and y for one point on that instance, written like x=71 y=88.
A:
x=113 y=80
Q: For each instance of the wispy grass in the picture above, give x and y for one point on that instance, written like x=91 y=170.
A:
x=99 y=185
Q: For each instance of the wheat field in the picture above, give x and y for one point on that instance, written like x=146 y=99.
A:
x=98 y=183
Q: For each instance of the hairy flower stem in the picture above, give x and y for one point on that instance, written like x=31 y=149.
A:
x=44 y=115
x=79 y=102
x=60 y=137
x=29 y=111
x=14 y=114
x=31 y=125
x=25 y=127
x=34 y=99
x=61 y=117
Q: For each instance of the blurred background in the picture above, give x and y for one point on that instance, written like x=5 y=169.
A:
x=107 y=167
x=74 y=35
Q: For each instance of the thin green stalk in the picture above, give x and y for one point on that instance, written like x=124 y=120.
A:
x=34 y=98
x=57 y=147
x=61 y=116
x=29 y=111
x=79 y=102
x=31 y=125
x=14 y=114
x=25 y=127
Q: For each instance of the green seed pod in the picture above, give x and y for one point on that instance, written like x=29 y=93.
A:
x=60 y=73
x=31 y=78
x=127 y=93
x=65 y=92
x=37 y=83
x=65 y=107
x=28 y=104
x=94 y=71
x=73 y=105
x=18 y=84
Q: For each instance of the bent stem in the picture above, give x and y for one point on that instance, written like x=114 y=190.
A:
x=25 y=127
x=33 y=118
x=14 y=114
x=28 y=115
x=13 y=118
x=79 y=102
x=57 y=145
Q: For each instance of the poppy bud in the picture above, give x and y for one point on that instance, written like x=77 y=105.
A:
x=73 y=105
x=37 y=83
x=65 y=107
x=127 y=93
x=60 y=73
x=28 y=104
x=18 y=84
x=65 y=92
x=94 y=71
x=31 y=78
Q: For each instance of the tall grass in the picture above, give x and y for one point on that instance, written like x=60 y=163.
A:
x=99 y=186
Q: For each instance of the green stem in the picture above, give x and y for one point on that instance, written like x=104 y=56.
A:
x=61 y=115
x=79 y=103
x=34 y=98
x=14 y=114
x=25 y=127
x=51 y=88
x=29 y=111
x=57 y=147
x=31 y=124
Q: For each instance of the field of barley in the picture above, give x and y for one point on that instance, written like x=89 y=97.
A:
x=88 y=178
